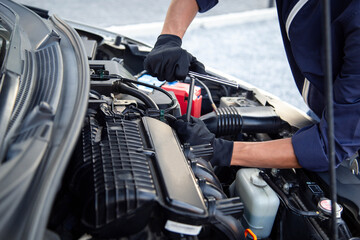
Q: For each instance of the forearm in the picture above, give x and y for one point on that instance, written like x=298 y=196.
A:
x=179 y=16
x=270 y=154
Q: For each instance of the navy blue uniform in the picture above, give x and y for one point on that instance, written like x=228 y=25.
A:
x=300 y=24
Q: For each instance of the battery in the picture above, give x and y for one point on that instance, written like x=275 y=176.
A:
x=181 y=91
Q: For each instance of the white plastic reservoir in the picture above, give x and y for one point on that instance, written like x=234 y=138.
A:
x=260 y=201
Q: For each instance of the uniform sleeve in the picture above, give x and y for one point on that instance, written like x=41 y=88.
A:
x=205 y=5
x=310 y=143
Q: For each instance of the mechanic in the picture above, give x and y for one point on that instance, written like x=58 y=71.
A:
x=300 y=24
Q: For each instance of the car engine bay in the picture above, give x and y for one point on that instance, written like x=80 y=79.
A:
x=130 y=177
x=89 y=151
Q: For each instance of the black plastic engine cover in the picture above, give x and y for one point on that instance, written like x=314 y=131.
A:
x=131 y=171
x=179 y=182
x=113 y=179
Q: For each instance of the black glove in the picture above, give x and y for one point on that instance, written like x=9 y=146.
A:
x=195 y=132
x=168 y=61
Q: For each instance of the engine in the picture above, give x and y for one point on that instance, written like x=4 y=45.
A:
x=130 y=177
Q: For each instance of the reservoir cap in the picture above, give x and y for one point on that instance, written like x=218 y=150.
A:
x=325 y=206
x=257 y=180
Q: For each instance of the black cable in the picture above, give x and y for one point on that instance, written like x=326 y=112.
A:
x=224 y=88
x=285 y=199
x=330 y=113
x=119 y=87
x=171 y=117
x=312 y=220
x=173 y=100
x=208 y=93
x=133 y=110
x=95 y=94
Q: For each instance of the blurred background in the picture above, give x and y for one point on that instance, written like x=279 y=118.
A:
x=240 y=38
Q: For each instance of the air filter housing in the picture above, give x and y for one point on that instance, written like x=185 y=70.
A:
x=132 y=175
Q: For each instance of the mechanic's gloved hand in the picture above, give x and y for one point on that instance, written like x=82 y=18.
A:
x=168 y=61
x=195 y=132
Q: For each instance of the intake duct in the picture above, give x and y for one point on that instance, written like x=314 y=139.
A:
x=234 y=120
x=130 y=176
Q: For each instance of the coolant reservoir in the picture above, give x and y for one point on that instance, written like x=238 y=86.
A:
x=260 y=201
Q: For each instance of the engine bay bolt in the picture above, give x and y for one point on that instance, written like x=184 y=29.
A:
x=274 y=172
x=286 y=188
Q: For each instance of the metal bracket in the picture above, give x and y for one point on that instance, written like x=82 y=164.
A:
x=118 y=106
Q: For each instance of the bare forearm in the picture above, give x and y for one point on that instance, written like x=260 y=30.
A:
x=271 y=154
x=179 y=16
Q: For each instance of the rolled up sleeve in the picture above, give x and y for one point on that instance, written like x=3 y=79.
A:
x=205 y=5
x=310 y=143
x=309 y=149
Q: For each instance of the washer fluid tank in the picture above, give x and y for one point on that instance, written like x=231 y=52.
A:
x=260 y=201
